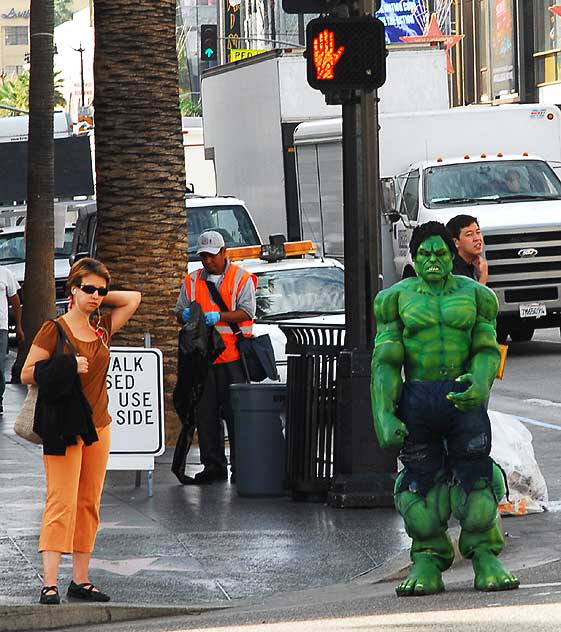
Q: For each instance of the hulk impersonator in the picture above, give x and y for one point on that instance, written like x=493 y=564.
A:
x=439 y=329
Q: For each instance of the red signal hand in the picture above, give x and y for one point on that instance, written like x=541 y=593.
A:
x=325 y=55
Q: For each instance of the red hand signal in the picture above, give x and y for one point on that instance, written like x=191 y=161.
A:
x=325 y=55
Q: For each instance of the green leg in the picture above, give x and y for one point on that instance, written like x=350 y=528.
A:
x=481 y=539
x=426 y=520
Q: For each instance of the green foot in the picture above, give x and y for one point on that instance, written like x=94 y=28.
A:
x=424 y=579
x=491 y=575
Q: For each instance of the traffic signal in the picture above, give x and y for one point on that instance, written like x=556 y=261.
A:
x=345 y=53
x=209 y=42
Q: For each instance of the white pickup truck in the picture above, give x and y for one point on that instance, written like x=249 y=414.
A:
x=440 y=164
x=225 y=214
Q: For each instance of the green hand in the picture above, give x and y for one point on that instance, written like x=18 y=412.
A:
x=472 y=398
x=390 y=431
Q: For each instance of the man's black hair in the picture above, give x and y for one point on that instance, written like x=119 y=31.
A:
x=456 y=224
x=429 y=229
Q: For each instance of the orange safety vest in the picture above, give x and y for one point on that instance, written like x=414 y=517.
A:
x=232 y=284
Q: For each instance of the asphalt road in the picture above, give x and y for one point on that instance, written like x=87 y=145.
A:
x=531 y=390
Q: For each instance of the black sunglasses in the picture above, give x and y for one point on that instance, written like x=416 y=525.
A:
x=92 y=289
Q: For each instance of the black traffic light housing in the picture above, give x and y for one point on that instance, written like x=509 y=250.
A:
x=209 y=42
x=345 y=53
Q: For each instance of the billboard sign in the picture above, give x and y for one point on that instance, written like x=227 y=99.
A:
x=402 y=18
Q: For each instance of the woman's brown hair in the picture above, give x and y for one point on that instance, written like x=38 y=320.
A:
x=83 y=267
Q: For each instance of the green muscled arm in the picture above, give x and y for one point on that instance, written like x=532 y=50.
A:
x=387 y=361
x=485 y=355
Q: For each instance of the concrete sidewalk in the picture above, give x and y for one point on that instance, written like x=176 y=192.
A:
x=189 y=549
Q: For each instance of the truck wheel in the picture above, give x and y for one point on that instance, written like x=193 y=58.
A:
x=524 y=334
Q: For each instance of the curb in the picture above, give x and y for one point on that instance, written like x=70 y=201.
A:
x=14 y=617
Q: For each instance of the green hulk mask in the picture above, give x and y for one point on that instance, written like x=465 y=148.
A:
x=438 y=331
x=433 y=261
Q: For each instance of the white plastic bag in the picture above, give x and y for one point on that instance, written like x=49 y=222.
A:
x=512 y=449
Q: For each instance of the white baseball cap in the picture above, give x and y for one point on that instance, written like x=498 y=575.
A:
x=210 y=241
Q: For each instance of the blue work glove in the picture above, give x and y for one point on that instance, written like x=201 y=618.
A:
x=211 y=318
x=185 y=314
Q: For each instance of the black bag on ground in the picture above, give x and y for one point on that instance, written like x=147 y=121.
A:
x=256 y=352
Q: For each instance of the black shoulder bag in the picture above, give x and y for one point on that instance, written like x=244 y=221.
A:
x=24 y=423
x=256 y=352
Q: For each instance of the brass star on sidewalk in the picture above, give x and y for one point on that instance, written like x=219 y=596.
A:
x=433 y=33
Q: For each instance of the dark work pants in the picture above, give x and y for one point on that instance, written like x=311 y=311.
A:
x=3 y=356
x=214 y=406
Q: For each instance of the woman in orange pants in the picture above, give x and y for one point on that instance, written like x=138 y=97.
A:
x=75 y=471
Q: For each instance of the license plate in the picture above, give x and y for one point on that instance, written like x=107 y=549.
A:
x=532 y=310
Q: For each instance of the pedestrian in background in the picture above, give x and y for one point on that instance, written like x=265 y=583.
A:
x=468 y=239
x=235 y=289
x=8 y=294
x=75 y=466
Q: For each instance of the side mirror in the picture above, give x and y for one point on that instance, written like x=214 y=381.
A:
x=76 y=256
x=388 y=198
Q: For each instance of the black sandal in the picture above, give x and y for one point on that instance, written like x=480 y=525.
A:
x=53 y=599
x=86 y=591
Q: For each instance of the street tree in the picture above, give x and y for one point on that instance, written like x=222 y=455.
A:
x=39 y=283
x=63 y=11
x=140 y=170
x=15 y=92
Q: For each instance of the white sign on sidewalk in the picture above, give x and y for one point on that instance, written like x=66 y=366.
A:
x=136 y=403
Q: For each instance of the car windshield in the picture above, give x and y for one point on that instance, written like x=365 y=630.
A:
x=232 y=222
x=12 y=247
x=301 y=292
x=492 y=182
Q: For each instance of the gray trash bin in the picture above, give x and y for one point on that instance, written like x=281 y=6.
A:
x=260 y=442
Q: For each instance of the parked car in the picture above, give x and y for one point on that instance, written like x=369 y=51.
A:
x=12 y=256
x=305 y=289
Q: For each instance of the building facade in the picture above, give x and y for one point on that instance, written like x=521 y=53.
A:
x=14 y=37
x=511 y=51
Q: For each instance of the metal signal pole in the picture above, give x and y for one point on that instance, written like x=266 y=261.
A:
x=364 y=472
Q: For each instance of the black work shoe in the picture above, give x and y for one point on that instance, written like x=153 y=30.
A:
x=210 y=475
x=86 y=591
x=53 y=599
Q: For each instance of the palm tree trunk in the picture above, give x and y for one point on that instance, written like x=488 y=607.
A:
x=39 y=282
x=142 y=235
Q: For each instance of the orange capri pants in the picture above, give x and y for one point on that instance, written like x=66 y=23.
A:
x=74 y=486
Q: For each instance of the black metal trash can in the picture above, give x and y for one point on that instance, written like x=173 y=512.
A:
x=260 y=443
x=312 y=352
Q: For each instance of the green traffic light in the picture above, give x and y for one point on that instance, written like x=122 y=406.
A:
x=209 y=52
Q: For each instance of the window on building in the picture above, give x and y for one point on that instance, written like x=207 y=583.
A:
x=548 y=42
x=547 y=25
x=12 y=71
x=482 y=33
x=16 y=36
